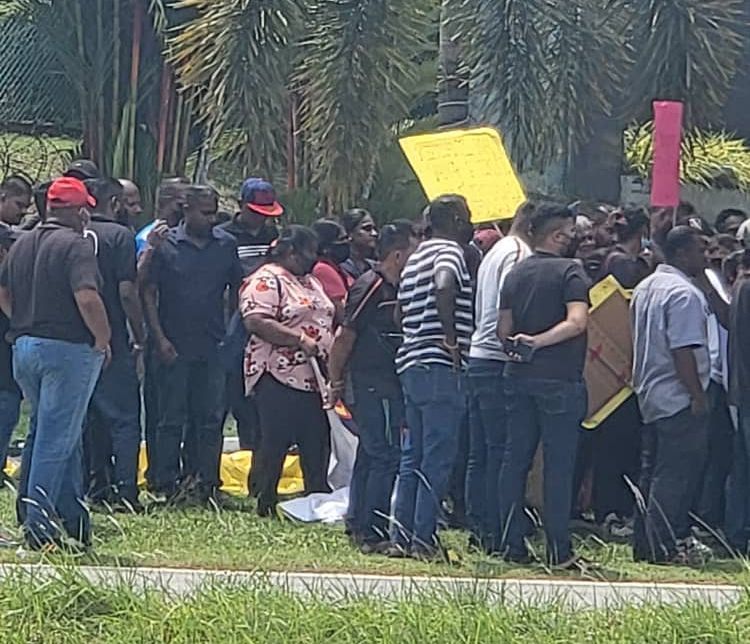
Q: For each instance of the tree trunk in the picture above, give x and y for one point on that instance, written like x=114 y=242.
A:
x=595 y=168
x=453 y=89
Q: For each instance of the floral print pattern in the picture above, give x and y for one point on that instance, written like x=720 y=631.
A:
x=301 y=305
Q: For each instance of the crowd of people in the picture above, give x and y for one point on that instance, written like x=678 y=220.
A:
x=458 y=349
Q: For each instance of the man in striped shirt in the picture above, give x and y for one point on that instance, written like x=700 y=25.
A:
x=435 y=300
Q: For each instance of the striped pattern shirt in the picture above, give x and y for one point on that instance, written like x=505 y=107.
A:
x=423 y=333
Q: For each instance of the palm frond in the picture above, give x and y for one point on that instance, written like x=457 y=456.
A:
x=235 y=58
x=688 y=50
x=709 y=159
x=540 y=68
x=357 y=64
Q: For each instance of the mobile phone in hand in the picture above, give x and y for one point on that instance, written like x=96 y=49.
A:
x=518 y=351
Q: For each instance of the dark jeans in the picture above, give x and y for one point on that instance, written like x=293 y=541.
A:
x=487 y=422
x=737 y=521
x=58 y=379
x=673 y=453
x=550 y=411
x=10 y=410
x=289 y=416
x=378 y=409
x=244 y=410
x=151 y=413
x=113 y=431
x=709 y=505
x=190 y=390
x=435 y=398
x=612 y=453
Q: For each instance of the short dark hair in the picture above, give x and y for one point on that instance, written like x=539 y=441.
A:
x=328 y=231
x=731 y=264
x=292 y=238
x=728 y=242
x=14 y=185
x=171 y=189
x=40 y=198
x=353 y=218
x=728 y=213
x=636 y=219
x=194 y=193
x=547 y=217
x=679 y=239
x=443 y=211
x=104 y=189
x=394 y=236
x=522 y=218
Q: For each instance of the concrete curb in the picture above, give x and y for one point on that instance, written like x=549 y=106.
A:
x=333 y=587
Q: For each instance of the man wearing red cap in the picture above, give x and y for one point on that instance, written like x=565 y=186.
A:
x=49 y=288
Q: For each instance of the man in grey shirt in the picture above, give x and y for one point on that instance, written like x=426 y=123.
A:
x=671 y=374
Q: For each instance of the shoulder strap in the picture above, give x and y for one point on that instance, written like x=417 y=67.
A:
x=370 y=292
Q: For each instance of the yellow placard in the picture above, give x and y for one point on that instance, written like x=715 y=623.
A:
x=598 y=295
x=472 y=163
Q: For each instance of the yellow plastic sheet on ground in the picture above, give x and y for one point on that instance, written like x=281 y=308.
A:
x=234 y=472
x=235 y=469
x=470 y=162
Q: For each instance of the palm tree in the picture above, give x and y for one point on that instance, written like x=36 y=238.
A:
x=133 y=123
x=339 y=70
x=557 y=75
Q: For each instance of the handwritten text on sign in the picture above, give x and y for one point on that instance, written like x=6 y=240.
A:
x=472 y=163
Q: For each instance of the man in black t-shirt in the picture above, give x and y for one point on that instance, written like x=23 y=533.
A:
x=542 y=323
x=49 y=287
x=114 y=420
x=367 y=343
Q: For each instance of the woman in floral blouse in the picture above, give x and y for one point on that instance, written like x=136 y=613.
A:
x=290 y=320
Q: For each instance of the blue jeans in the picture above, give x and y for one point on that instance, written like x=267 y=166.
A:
x=191 y=394
x=550 y=411
x=114 y=429
x=378 y=409
x=10 y=410
x=486 y=446
x=58 y=379
x=435 y=398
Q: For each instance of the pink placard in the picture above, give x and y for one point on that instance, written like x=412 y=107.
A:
x=665 y=180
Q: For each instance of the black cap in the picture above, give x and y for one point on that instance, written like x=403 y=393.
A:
x=83 y=169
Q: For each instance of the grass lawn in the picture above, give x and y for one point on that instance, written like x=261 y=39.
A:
x=237 y=539
x=73 y=610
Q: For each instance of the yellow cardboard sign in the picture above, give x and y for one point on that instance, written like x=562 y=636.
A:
x=472 y=163
x=600 y=294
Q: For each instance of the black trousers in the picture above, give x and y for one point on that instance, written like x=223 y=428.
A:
x=673 y=453
x=289 y=416
x=244 y=409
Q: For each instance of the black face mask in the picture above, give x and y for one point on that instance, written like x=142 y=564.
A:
x=339 y=252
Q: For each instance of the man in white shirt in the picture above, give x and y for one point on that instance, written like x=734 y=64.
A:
x=486 y=401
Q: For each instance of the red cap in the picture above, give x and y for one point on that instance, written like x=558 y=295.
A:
x=69 y=192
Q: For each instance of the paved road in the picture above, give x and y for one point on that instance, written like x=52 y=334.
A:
x=577 y=594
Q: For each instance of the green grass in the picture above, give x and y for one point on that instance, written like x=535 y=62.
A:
x=73 y=610
x=39 y=157
x=237 y=539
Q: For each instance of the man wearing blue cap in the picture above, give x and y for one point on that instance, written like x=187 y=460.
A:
x=254 y=228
